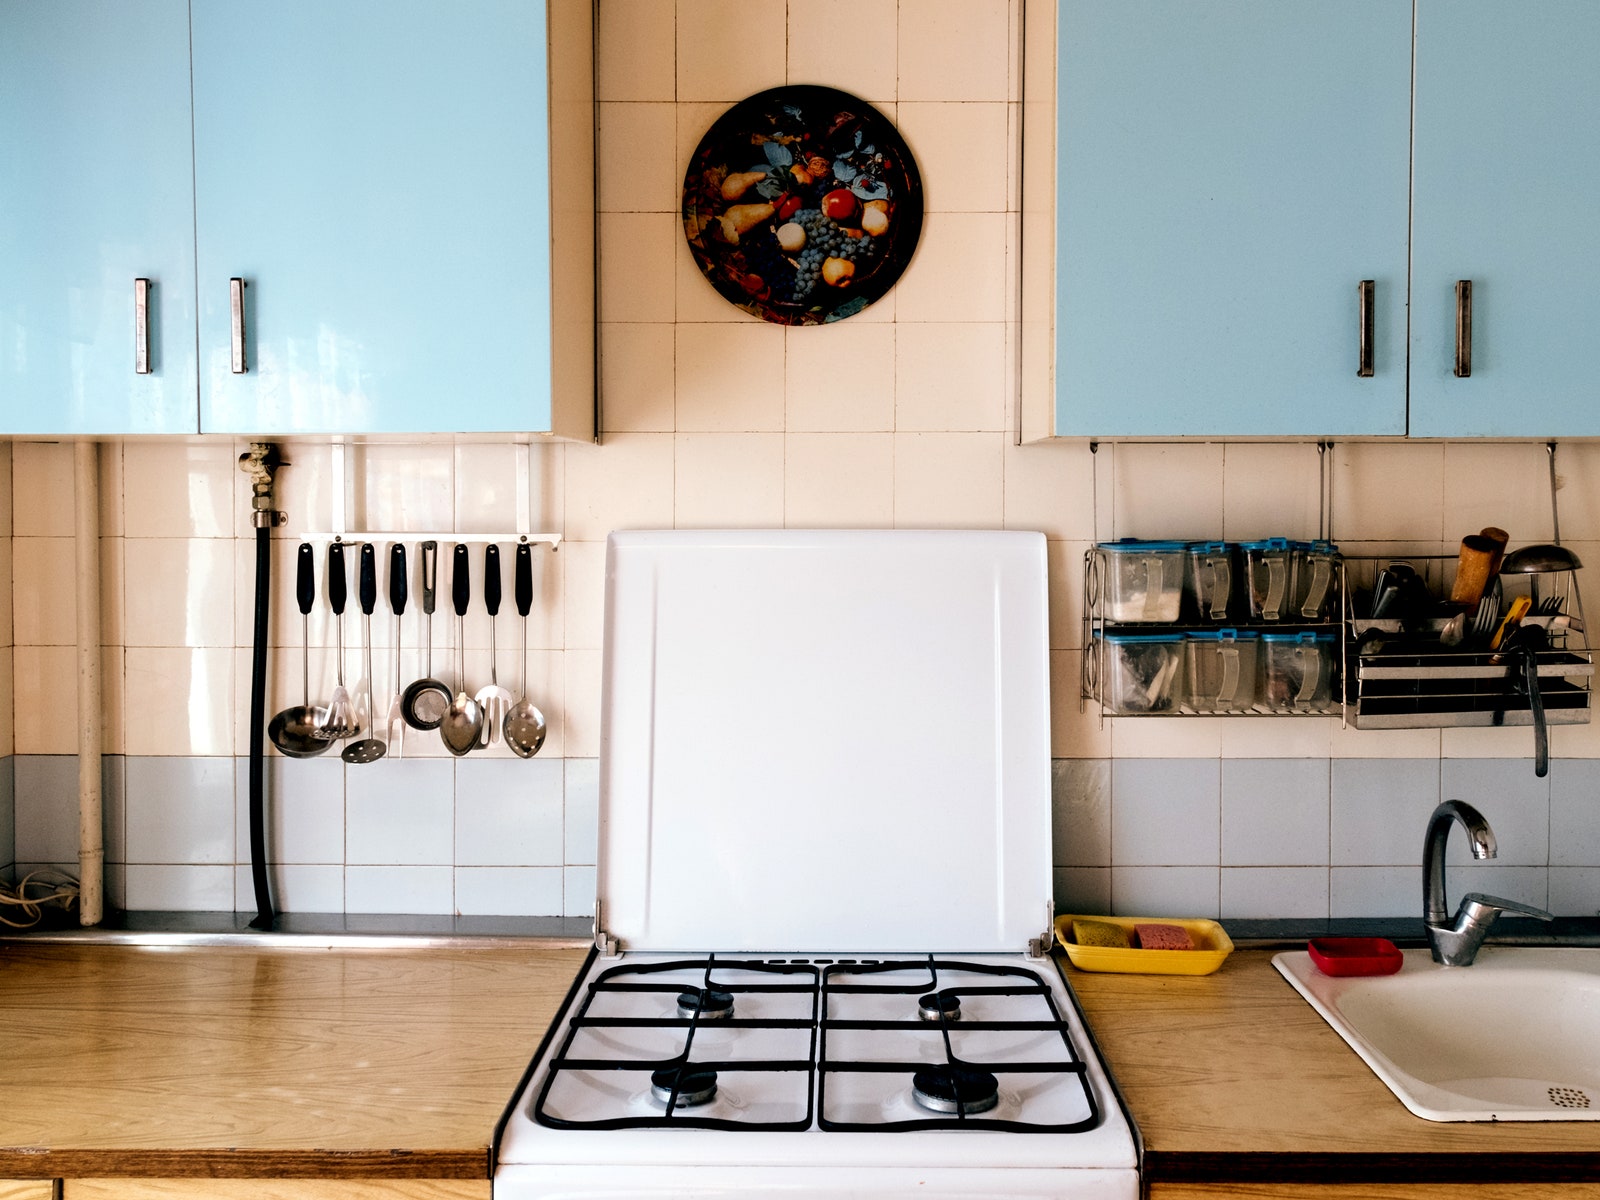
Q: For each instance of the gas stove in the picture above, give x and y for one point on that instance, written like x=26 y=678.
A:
x=821 y=935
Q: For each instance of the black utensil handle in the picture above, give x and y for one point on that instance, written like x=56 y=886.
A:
x=429 y=553
x=397 y=578
x=369 y=578
x=524 y=581
x=337 y=583
x=305 y=578
x=460 y=583
x=491 y=579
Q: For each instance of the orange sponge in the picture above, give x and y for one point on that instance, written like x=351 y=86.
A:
x=1162 y=937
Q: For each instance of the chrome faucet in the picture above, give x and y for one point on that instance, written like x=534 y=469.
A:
x=1455 y=943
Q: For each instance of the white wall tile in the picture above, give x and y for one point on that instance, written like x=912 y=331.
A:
x=725 y=480
x=8 y=741
x=578 y=890
x=634 y=63
x=840 y=378
x=862 y=62
x=637 y=378
x=1275 y=814
x=950 y=378
x=44 y=597
x=294 y=887
x=839 y=480
x=180 y=810
x=1166 y=891
x=400 y=819
x=730 y=49
x=959 y=271
x=509 y=891
x=1575 y=814
x=1574 y=891
x=1076 y=728
x=1514 y=801
x=1257 y=892
x=180 y=489
x=1082 y=890
x=1081 y=812
x=508 y=812
x=180 y=592
x=582 y=810
x=304 y=813
x=729 y=378
x=1371 y=478
x=45 y=721
x=1157 y=737
x=962 y=151
x=1380 y=810
x=1525 y=885
x=955 y=50
x=1167 y=491
x=183 y=700
x=638 y=264
x=1049 y=486
x=42 y=491
x=584 y=577
x=180 y=888
x=427 y=890
x=1498 y=484
x=1375 y=891
x=639 y=169
x=625 y=484
x=948 y=480
x=1270 y=491
x=1165 y=812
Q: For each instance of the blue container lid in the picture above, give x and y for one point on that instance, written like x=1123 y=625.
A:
x=1267 y=544
x=1318 y=547
x=1306 y=636
x=1224 y=635
x=1119 y=638
x=1210 y=547
x=1135 y=546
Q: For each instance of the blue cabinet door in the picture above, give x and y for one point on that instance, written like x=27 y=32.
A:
x=1228 y=173
x=377 y=173
x=1507 y=195
x=96 y=191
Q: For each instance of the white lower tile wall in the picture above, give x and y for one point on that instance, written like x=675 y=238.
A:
x=1252 y=838
x=432 y=836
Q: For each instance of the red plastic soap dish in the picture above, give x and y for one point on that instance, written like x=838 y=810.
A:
x=1355 y=956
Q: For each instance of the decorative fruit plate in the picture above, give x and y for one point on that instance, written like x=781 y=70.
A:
x=802 y=205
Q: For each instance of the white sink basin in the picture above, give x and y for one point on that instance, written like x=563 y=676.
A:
x=1514 y=1037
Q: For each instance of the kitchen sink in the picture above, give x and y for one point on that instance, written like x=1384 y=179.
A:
x=1514 y=1037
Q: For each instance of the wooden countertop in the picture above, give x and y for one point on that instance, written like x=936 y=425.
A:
x=273 y=1061
x=1232 y=1077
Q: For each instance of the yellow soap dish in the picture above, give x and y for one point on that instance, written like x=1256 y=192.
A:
x=1211 y=942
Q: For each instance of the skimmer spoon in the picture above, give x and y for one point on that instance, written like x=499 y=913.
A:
x=464 y=720
x=492 y=699
x=341 y=720
x=524 y=724
x=369 y=748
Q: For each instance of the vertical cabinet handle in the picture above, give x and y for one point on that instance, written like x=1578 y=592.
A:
x=1364 y=362
x=236 y=308
x=141 y=327
x=1463 y=328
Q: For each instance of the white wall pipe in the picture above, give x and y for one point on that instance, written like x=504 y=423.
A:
x=86 y=546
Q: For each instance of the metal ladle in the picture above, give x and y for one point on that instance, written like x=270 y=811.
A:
x=426 y=700
x=524 y=726
x=368 y=749
x=464 y=721
x=1545 y=558
x=294 y=731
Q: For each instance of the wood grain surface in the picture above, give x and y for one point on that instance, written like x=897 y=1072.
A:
x=27 y=1189
x=159 y=1061
x=1233 y=1077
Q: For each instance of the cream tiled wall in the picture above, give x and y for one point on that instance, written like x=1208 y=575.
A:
x=901 y=417
x=7 y=806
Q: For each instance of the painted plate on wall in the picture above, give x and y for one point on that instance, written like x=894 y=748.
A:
x=802 y=205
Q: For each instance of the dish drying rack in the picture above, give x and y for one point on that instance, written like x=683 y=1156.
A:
x=1410 y=680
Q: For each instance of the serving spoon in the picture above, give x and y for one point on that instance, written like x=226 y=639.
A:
x=426 y=700
x=524 y=726
x=464 y=721
x=367 y=749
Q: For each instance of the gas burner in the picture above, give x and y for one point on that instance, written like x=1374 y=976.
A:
x=694 y=1087
x=713 y=1005
x=936 y=1005
x=955 y=1089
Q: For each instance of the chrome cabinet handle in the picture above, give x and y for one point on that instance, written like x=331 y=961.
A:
x=1364 y=363
x=141 y=327
x=1463 y=328
x=236 y=304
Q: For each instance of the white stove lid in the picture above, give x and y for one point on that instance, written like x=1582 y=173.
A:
x=825 y=741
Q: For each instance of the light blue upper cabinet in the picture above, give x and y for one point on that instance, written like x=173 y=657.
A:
x=1507 y=195
x=1226 y=175
x=378 y=175
x=96 y=192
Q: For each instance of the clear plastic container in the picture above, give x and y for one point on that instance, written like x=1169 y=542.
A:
x=1221 y=668
x=1297 y=672
x=1144 y=581
x=1269 y=567
x=1213 y=567
x=1143 y=672
x=1316 y=569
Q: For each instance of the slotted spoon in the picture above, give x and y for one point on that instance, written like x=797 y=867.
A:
x=341 y=721
x=492 y=699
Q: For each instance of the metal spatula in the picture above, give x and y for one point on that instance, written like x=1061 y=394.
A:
x=493 y=699
x=342 y=721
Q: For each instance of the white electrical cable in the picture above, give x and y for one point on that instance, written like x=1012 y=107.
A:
x=49 y=888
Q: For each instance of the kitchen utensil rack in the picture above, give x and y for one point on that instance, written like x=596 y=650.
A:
x=1409 y=680
x=1097 y=627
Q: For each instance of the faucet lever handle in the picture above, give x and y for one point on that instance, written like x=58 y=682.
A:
x=1500 y=904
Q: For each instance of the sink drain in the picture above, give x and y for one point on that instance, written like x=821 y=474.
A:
x=1568 y=1097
